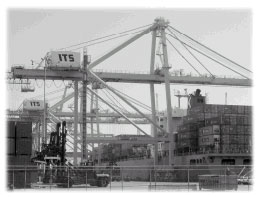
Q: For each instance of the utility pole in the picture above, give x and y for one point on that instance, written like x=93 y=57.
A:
x=85 y=62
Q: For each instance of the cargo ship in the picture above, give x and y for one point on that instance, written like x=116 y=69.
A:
x=206 y=136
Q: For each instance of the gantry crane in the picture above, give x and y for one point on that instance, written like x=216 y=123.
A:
x=88 y=75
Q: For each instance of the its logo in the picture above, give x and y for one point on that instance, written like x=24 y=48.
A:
x=66 y=57
x=35 y=104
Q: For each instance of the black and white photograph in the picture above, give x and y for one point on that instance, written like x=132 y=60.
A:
x=129 y=100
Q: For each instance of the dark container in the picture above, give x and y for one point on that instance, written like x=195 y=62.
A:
x=192 y=142
x=19 y=160
x=240 y=129
x=10 y=146
x=11 y=129
x=240 y=109
x=228 y=129
x=227 y=109
x=187 y=135
x=234 y=109
x=24 y=146
x=23 y=129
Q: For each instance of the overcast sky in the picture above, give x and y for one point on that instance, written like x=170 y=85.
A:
x=32 y=33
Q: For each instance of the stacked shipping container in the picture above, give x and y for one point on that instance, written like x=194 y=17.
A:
x=19 y=150
x=220 y=128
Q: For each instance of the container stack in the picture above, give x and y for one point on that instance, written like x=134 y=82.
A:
x=234 y=130
x=216 y=128
x=19 y=150
x=11 y=138
x=187 y=137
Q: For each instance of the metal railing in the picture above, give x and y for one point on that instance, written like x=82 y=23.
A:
x=144 y=178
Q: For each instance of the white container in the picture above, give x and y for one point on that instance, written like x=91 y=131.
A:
x=63 y=60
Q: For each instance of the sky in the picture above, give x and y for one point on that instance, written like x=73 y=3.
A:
x=32 y=33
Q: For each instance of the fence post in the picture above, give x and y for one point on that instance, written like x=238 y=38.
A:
x=86 y=177
x=188 y=179
x=122 y=178
x=155 y=176
x=13 y=179
x=68 y=176
x=150 y=178
x=111 y=177
x=25 y=178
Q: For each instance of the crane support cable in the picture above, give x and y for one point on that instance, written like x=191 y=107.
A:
x=134 y=100
x=89 y=97
x=99 y=42
x=233 y=62
x=106 y=92
x=183 y=57
x=120 y=113
x=211 y=58
x=103 y=37
x=95 y=77
x=192 y=54
x=53 y=92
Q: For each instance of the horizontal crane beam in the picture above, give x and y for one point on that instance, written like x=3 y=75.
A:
x=109 y=114
x=146 y=140
x=19 y=73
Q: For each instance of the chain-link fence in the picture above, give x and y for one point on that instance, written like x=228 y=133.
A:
x=115 y=178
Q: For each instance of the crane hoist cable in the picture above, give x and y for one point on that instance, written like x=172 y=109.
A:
x=210 y=49
x=183 y=56
x=192 y=54
x=210 y=58
x=103 y=37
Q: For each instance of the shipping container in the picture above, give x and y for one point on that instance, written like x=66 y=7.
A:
x=240 y=109
x=209 y=140
x=188 y=127
x=19 y=160
x=11 y=146
x=208 y=130
x=228 y=129
x=187 y=135
x=23 y=146
x=11 y=128
x=247 y=130
x=220 y=109
x=248 y=109
x=234 y=109
x=234 y=139
x=240 y=129
x=227 y=109
x=192 y=142
x=23 y=129
x=233 y=120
